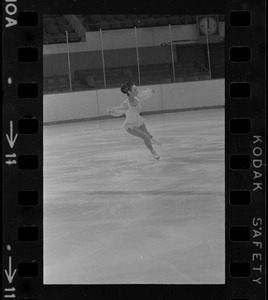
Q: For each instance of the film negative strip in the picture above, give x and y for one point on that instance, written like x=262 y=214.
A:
x=40 y=260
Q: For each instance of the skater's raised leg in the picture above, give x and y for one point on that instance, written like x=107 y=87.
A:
x=153 y=140
x=146 y=138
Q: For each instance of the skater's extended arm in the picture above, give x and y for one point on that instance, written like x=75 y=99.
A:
x=119 y=110
x=146 y=94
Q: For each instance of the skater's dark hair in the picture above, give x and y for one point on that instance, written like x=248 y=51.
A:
x=126 y=87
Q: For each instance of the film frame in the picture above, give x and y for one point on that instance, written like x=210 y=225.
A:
x=245 y=160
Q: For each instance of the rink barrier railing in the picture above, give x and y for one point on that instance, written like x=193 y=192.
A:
x=92 y=105
x=143 y=114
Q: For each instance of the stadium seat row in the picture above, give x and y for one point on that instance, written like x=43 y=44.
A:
x=60 y=38
x=54 y=30
x=150 y=74
x=106 y=22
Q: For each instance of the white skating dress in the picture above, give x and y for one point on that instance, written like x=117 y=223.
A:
x=132 y=112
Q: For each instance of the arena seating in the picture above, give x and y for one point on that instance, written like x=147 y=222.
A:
x=55 y=25
x=54 y=30
x=163 y=21
x=114 y=24
x=104 y=25
x=139 y=23
x=95 y=18
x=106 y=22
x=204 y=77
x=150 y=22
x=191 y=78
x=175 y=20
x=149 y=74
x=127 y=23
x=49 y=20
x=60 y=20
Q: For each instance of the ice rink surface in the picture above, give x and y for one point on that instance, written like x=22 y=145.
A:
x=113 y=214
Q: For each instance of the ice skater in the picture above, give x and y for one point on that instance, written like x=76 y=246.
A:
x=131 y=107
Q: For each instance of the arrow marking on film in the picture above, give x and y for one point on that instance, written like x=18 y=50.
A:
x=10 y=139
x=10 y=275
